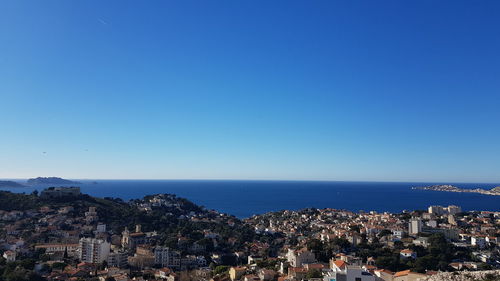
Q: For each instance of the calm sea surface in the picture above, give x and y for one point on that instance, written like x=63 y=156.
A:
x=246 y=198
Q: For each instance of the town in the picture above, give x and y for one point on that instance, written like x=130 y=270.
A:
x=62 y=234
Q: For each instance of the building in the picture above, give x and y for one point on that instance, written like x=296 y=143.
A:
x=91 y=215
x=117 y=259
x=58 y=192
x=9 y=256
x=252 y=259
x=341 y=271
x=93 y=250
x=297 y=273
x=452 y=220
x=235 y=273
x=297 y=258
x=101 y=228
x=449 y=233
x=71 y=250
x=165 y=274
x=131 y=240
x=408 y=275
x=440 y=210
x=421 y=241
x=407 y=254
x=384 y=274
x=267 y=274
x=453 y=210
x=143 y=257
x=437 y=210
x=478 y=241
x=415 y=226
x=166 y=257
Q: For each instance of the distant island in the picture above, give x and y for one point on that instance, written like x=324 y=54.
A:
x=49 y=180
x=8 y=184
x=451 y=188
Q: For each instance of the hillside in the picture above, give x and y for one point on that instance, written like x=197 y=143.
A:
x=9 y=184
x=171 y=217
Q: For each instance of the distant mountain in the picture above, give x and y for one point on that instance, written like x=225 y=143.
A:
x=8 y=184
x=49 y=180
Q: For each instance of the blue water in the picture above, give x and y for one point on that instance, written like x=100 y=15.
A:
x=246 y=198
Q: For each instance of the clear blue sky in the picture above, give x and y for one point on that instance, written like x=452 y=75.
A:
x=323 y=90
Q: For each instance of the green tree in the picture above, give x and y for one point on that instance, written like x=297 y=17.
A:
x=313 y=273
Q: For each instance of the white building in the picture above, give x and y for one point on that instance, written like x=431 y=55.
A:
x=478 y=241
x=407 y=254
x=341 y=271
x=70 y=249
x=93 y=250
x=437 y=210
x=9 y=256
x=453 y=210
x=421 y=241
x=101 y=228
x=415 y=226
x=440 y=210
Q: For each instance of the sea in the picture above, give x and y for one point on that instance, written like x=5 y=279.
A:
x=243 y=198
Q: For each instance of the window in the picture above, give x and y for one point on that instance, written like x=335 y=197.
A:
x=357 y=279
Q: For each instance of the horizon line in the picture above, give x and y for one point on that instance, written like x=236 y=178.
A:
x=275 y=180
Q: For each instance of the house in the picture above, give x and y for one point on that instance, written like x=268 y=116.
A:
x=165 y=273
x=143 y=257
x=478 y=241
x=342 y=271
x=297 y=272
x=298 y=258
x=9 y=256
x=316 y=266
x=235 y=273
x=254 y=259
x=421 y=241
x=251 y=277
x=70 y=249
x=267 y=274
x=349 y=259
x=384 y=274
x=408 y=275
x=407 y=254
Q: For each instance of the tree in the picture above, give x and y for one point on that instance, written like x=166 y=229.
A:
x=221 y=269
x=58 y=265
x=313 y=273
x=384 y=232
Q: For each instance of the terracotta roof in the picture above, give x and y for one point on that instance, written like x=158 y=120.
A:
x=385 y=271
x=340 y=264
x=298 y=269
x=315 y=266
x=402 y=273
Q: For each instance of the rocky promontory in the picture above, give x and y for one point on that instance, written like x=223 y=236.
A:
x=451 y=188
